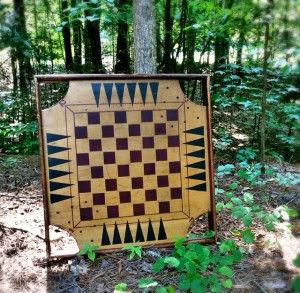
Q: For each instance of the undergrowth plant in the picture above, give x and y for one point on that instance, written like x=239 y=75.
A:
x=135 y=249
x=89 y=250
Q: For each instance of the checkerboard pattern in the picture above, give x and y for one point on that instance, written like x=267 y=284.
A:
x=117 y=176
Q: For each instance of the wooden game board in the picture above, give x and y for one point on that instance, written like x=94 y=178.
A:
x=125 y=159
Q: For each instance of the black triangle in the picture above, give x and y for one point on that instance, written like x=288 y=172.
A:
x=196 y=142
x=197 y=154
x=120 y=91
x=58 y=197
x=116 y=238
x=198 y=165
x=54 y=162
x=139 y=233
x=197 y=130
x=199 y=187
x=200 y=176
x=161 y=233
x=96 y=90
x=108 y=91
x=54 y=137
x=52 y=149
x=143 y=90
x=128 y=236
x=131 y=89
x=154 y=90
x=58 y=185
x=105 y=238
x=56 y=173
x=150 y=234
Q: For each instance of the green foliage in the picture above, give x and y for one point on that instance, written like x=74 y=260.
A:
x=89 y=250
x=296 y=281
x=135 y=249
x=199 y=268
x=120 y=288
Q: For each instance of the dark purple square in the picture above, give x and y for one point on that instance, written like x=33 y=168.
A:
x=113 y=212
x=172 y=115
x=163 y=181
x=164 y=207
x=110 y=184
x=151 y=195
x=81 y=132
x=125 y=196
x=109 y=158
x=161 y=155
x=138 y=209
x=137 y=183
x=148 y=142
x=160 y=128
x=97 y=172
x=93 y=118
x=99 y=199
x=176 y=192
x=108 y=131
x=122 y=143
x=174 y=167
x=173 y=141
x=135 y=156
x=149 y=168
x=95 y=145
x=134 y=130
x=83 y=159
x=86 y=214
x=120 y=117
x=123 y=170
x=147 y=116
x=84 y=186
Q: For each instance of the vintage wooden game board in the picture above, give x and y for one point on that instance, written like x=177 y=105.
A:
x=126 y=159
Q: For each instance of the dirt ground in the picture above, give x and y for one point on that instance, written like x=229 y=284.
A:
x=24 y=268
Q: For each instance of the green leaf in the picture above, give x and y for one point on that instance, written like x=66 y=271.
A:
x=237 y=255
x=269 y=227
x=172 y=261
x=248 y=198
x=226 y=271
x=235 y=232
x=132 y=254
x=91 y=255
x=224 y=247
x=161 y=290
x=233 y=185
x=247 y=236
x=138 y=251
x=227 y=283
x=229 y=205
x=158 y=265
x=191 y=267
x=146 y=283
x=121 y=287
x=296 y=261
x=219 y=206
x=236 y=201
x=216 y=287
x=196 y=286
x=296 y=284
x=247 y=220
x=184 y=282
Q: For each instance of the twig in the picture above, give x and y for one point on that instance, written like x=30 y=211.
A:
x=22 y=230
x=260 y=287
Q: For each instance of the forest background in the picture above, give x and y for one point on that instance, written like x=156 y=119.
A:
x=250 y=48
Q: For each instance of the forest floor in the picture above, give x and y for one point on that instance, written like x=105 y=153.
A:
x=24 y=268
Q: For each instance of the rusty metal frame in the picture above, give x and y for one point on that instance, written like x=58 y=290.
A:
x=205 y=81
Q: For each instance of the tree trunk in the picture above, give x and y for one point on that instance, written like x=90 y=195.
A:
x=66 y=36
x=77 y=47
x=93 y=54
x=122 y=54
x=145 y=60
x=168 y=47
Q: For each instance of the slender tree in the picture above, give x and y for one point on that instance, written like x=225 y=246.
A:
x=122 y=54
x=77 y=40
x=145 y=60
x=66 y=35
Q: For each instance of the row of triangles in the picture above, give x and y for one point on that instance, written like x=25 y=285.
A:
x=120 y=88
x=139 y=236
